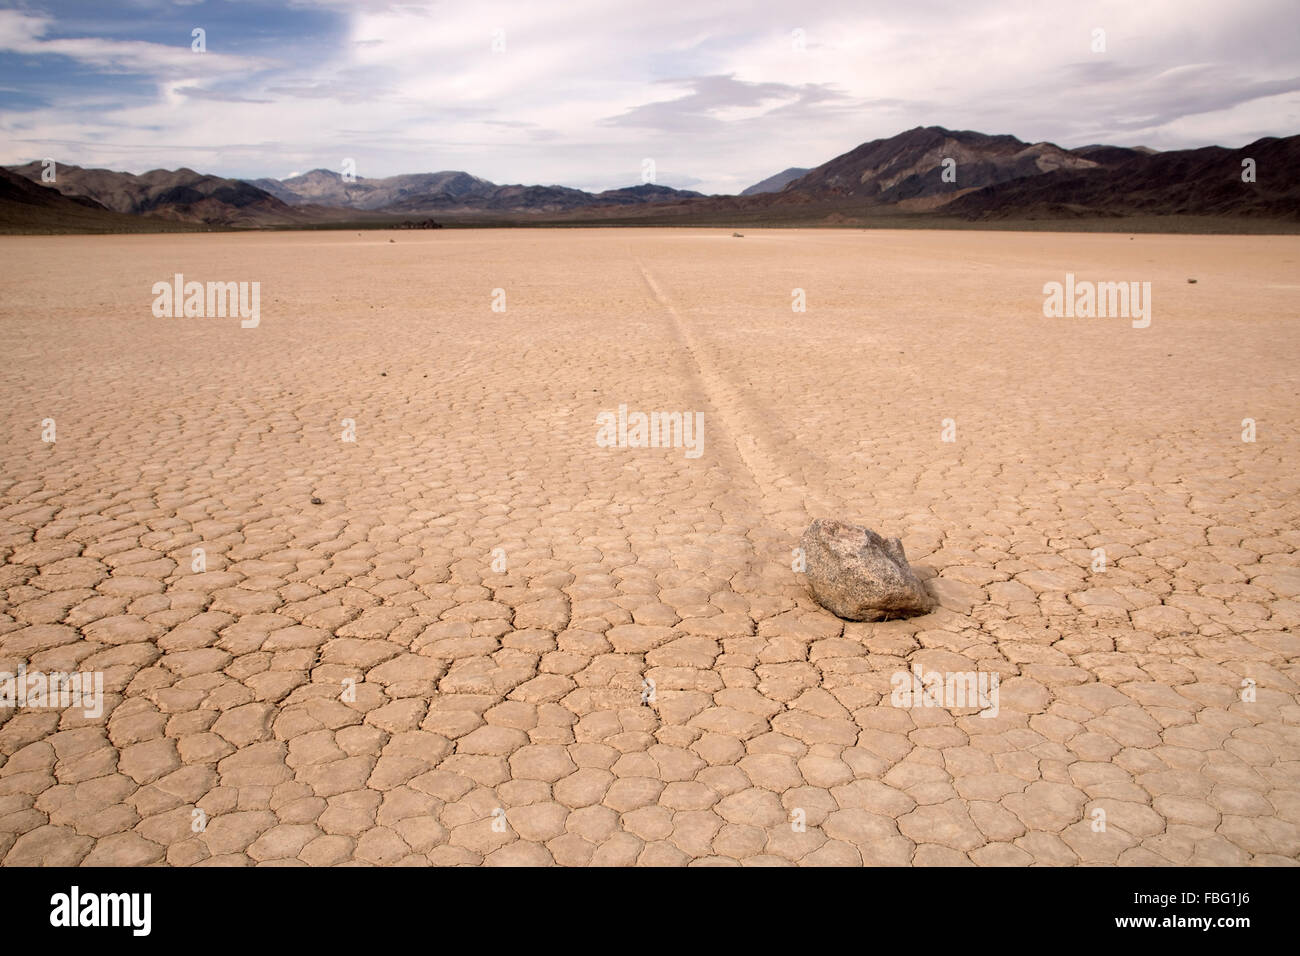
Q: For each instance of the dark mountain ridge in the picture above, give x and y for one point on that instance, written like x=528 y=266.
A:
x=922 y=175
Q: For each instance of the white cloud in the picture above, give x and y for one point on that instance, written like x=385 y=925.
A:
x=713 y=90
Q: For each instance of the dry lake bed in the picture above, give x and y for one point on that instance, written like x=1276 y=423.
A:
x=479 y=546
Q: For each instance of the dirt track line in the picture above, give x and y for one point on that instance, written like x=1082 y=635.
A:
x=737 y=421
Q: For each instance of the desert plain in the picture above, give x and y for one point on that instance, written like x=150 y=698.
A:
x=496 y=640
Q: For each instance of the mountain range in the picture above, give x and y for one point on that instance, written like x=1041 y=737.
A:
x=449 y=192
x=928 y=174
x=30 y=207
x=180 y=195
x=1190 y=182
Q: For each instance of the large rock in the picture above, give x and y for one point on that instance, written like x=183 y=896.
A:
x=856 y=574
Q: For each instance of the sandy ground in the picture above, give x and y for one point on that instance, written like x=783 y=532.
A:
x=354 y=682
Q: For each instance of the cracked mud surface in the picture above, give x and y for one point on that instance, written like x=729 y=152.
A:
x=497 y=717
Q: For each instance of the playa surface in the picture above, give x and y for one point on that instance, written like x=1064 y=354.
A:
x=495 y=640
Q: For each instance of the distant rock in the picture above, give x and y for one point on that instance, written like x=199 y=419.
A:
x=856 y=574
x=774 y=184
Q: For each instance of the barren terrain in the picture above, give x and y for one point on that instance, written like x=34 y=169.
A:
x=647 y=680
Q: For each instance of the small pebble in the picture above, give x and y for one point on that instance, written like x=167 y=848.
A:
x=317 y=501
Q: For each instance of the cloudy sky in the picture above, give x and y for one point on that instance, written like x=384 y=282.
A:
x=719 y=93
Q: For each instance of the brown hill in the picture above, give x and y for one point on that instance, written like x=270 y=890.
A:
x=180 y=195
x=29 y=207
x=911 y=165
x=1191 y=182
